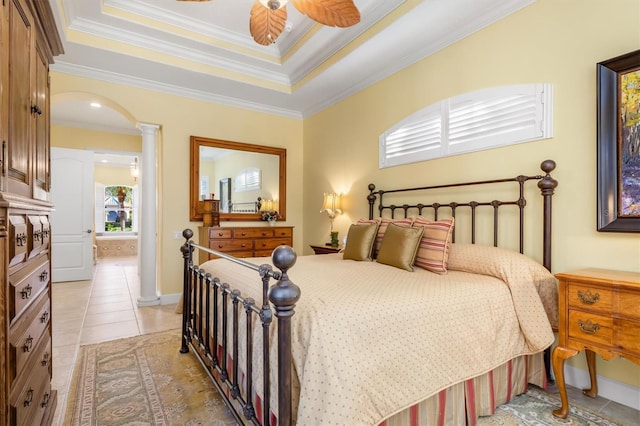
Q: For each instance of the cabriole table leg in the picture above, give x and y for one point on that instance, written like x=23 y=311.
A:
x=560 y=354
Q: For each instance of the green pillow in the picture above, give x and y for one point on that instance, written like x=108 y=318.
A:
x=399 y=246
x=360 y=239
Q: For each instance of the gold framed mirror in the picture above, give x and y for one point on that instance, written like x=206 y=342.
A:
x=242 y=176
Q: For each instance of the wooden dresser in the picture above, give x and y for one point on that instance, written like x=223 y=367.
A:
x=245 y=241
x=599 y=312
x=29 y=42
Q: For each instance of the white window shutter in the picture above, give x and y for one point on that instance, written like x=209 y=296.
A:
x=470 y=122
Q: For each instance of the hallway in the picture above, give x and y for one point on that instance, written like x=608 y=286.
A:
x=87 y=312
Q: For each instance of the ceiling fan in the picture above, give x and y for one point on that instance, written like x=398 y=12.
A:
x=269 y=17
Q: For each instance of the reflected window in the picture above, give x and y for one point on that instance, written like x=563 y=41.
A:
x=249 y=179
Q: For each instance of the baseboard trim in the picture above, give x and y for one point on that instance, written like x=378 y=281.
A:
x=168 y=299
x=619 y=392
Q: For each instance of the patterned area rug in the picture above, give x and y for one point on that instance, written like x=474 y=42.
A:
x=145 y=380
x=534 y=409
x=142 y=380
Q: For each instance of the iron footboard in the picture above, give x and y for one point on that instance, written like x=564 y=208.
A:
x=207 y=300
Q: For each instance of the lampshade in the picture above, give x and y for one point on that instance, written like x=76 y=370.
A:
x=331 y=204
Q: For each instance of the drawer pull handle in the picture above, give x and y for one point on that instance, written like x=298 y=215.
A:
x=220 y=234
x=45 y=234
x=589 y=327
x=588 y=298
x=264 y=234
x=21 y=239
x=29 y=399
x=264 y=245
x=26 y=292
x=243 y=234
x=37 y=236
x=45 y=400
x=220 y=246
x=28 y=344
x=44 y=317
x=244 y=245
x=45 y=359
x=44 y=275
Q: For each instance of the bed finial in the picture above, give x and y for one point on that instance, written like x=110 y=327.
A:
x=371 y=198
x=547 y=185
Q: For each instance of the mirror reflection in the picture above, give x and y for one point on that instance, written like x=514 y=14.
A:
x=245 y=178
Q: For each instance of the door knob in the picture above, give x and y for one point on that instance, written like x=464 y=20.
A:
x=89 y=231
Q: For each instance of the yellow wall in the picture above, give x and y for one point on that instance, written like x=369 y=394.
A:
x=180 y=118
x=554 y=41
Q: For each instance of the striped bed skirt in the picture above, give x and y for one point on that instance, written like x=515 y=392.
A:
x=464 y=402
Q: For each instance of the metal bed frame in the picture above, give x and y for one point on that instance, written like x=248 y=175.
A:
x=207 y=300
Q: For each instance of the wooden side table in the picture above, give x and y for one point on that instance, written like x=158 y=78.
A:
x=599 y=312
x=324 y=249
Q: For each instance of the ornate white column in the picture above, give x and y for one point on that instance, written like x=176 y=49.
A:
x=148 y=213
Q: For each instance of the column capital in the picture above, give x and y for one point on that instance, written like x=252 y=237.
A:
x=148 y=128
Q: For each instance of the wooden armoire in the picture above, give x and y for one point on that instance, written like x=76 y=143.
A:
x=28 y=41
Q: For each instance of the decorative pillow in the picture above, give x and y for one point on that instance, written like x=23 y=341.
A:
x=382 y=227
x=360 y=239
x=433 y=252
x=400 y=246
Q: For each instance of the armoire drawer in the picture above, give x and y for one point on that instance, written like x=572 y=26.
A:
x=27 y=334
x=32 y=393
x=25 y=286
x=18 y=239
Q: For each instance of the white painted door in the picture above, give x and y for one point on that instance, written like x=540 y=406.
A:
x=72 y=220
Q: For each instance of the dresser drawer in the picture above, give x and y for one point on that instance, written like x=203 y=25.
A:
x=590 y=327
x=283 y=233
x=253 y=233
x=270 y=244
x=215 y=233
x=590 y=297
x=25 y=286
x=231 y=245
x=26 y=336
x=32 y=395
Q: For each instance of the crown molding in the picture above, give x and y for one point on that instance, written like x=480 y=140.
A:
x=98 y=29
x=111 y=77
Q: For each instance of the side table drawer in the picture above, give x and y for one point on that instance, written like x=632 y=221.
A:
x=594 y=298
x=627 y=333
x=215 y=233
x=591 y=328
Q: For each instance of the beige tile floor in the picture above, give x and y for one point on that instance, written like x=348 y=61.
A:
x=86 y=312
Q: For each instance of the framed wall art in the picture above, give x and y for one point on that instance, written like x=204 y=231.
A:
x=618 y=143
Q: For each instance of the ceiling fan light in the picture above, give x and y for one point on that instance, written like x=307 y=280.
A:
x=274 y=4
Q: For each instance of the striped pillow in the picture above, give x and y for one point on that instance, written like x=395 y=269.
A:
x=433 y=252
x=382 y=227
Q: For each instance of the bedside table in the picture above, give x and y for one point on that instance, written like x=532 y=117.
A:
x=599 y=312
x=324 y=249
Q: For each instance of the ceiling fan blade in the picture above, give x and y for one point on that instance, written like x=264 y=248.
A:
x=265 y=24
x=334 y=13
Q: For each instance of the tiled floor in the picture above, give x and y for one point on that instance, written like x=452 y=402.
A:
x=86 y=312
